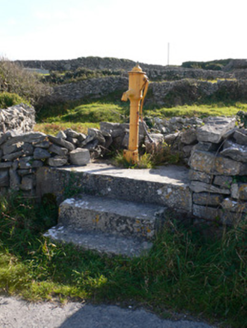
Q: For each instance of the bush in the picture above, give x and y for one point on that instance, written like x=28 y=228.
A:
x=10 y=99
x=15 y=79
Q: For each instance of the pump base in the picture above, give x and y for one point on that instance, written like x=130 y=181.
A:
x=131 y=156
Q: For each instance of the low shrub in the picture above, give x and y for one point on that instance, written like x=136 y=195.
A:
x=15 y=79
x=10 y=99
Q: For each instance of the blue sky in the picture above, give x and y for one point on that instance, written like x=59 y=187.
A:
x=133 y=29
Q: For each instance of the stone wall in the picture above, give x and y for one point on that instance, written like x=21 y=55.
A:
x=22 y=153
x=215 y=149
x=87 y=89
x=87 y=62
x=159 y=93
x=218 y=172
x=20 y=118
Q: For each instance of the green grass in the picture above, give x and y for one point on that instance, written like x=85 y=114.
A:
x=10 y=99
x=55 y=127
x=203 y=110
x=183 y=272
x=79 y=117
x=87 y=112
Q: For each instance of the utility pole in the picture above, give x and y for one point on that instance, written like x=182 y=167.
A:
x=168 y=53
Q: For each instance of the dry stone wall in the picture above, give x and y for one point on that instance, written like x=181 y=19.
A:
x=173 y=93
x=218 y=172
x=20 y=118
x=215 y=149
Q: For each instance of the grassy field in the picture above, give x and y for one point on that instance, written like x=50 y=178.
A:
x=184 y=272
x=90 y=115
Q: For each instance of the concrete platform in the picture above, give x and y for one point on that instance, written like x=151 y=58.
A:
x=166 y=186
x=173 y=174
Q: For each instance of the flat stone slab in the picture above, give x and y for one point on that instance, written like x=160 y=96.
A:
x=165 y=186
x=173 y=174
x=119 y=217
x=102 y=243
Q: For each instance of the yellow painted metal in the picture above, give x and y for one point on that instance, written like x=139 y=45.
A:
x=138 y=84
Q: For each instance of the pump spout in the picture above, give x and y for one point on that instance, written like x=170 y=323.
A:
x=126 y=95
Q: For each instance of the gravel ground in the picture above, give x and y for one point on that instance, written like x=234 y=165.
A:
x=16 y=313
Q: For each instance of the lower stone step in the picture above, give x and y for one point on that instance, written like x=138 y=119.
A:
x=117 y=217
x=101 y=242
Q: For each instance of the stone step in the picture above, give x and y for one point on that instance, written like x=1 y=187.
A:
x=106 y=215
x=100 y=242
x=166 y=186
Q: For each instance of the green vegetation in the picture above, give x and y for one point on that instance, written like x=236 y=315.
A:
x=15 y=79
x=158 y=155
x=199 y=110
x=10 y=99
x=79 y=117
x=212 y=65
x=79 y=74
x=183 y=272
x=54 y=128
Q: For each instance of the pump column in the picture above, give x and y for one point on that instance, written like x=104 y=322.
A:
x=137 y=79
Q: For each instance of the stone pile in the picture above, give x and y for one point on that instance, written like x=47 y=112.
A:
x=118 y=134
x=218 y=171
x=178 y=133
x=20 y=118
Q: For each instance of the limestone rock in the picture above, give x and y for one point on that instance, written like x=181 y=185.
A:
x=6 y=165
x=37 y=163
x=189 y=137
x=19 y=118
x=72 y=134
x=81 y=137
x=214 y=129
x=61 y=135
x=207 y=199
x=40 y=153
x=25 y=162
x=213 y=164
x=58 y=150
x=234 y=191
x=12 y=156
x=242 y=191
x=223 y=181
x=241 y=137
x=57 y=161
x=79 y=156
x=31 y=137
x=206 y=212
x=44 y=144
x=61 y=142
x=229 y=204
x=4 y=178
x=198 y=186
x=23 y=172
x=15 y=180
x=200 y=176
x=27 y=182
x=96 y=134
x=235 y=151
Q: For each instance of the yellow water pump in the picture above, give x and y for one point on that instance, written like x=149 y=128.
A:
x=138 y=86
